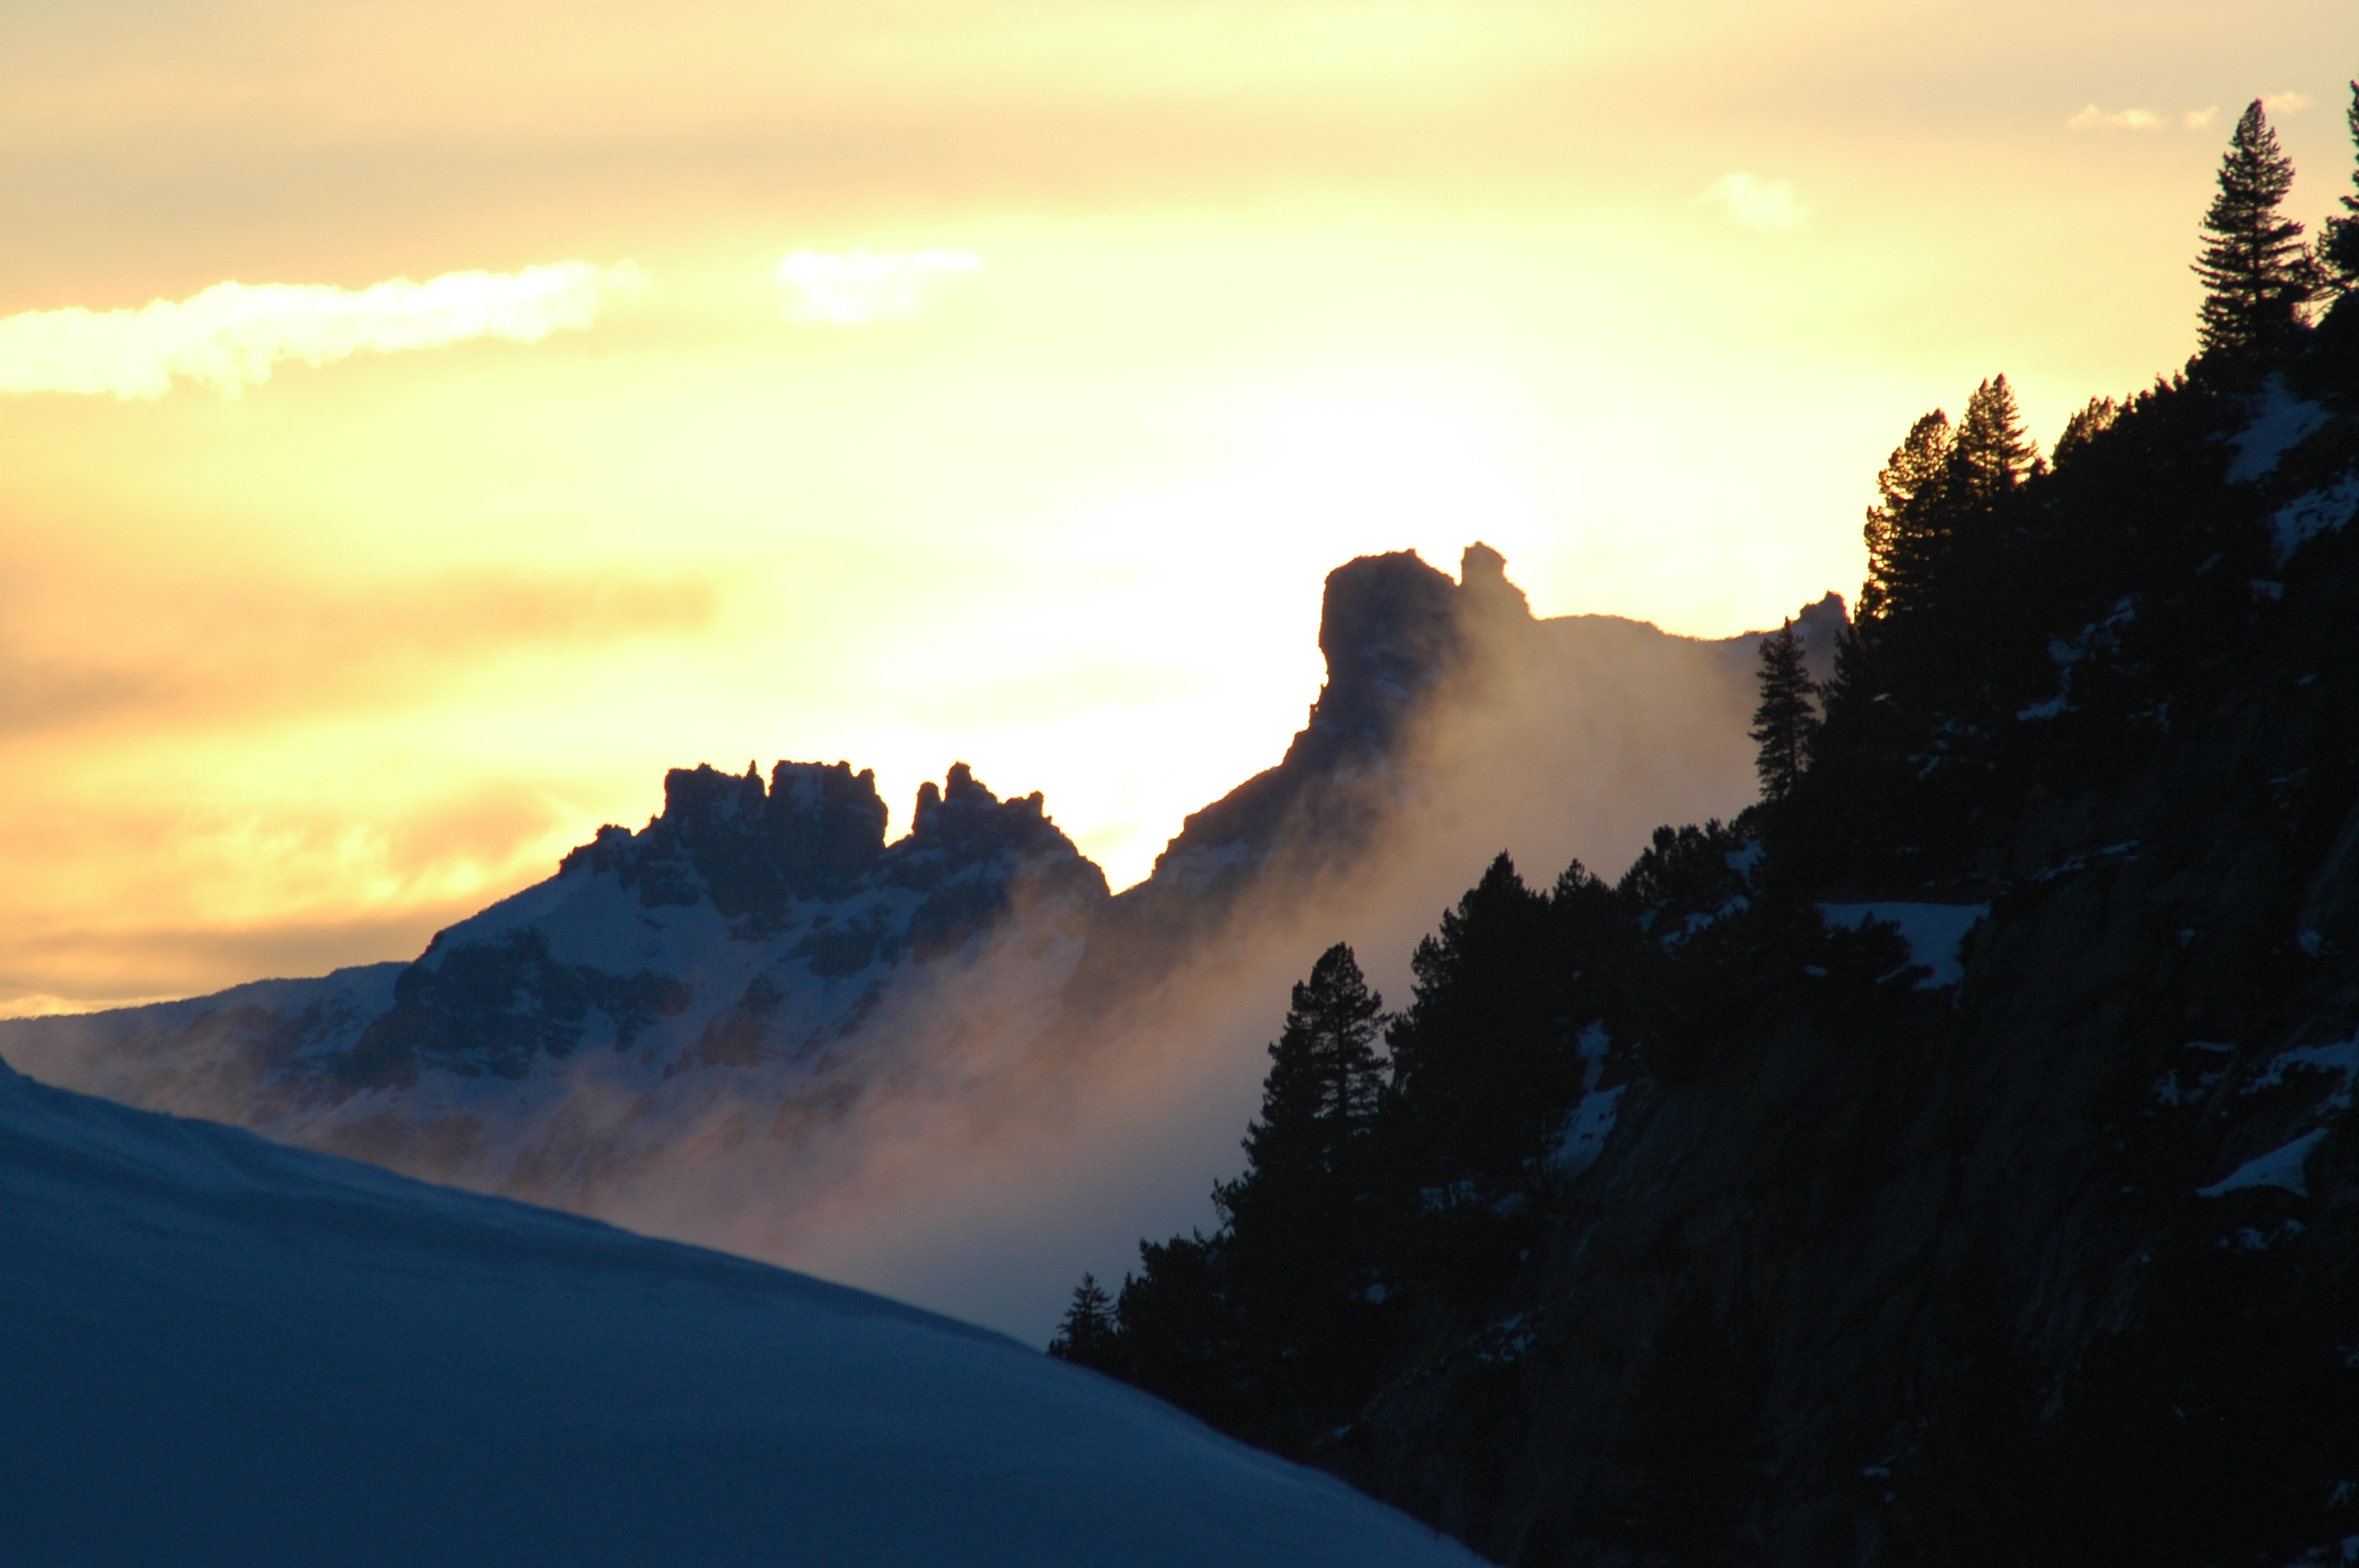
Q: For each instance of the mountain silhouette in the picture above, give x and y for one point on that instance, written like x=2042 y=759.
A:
x=749 y=993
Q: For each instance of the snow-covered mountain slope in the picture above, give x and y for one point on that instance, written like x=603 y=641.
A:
x=762 y=944
x=753 y=1023
x=222 y=1351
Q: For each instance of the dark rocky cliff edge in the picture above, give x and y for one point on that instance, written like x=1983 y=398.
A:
x=1969 y=1275
x=2037 y=1250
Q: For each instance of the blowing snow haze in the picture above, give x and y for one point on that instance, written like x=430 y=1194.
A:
x=953 y=1067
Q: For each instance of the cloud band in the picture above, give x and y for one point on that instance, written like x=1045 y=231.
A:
x=861 y=287
x=229 y=336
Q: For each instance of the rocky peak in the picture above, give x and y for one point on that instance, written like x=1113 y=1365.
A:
x=964 y=821
x=1387 y=626
x=1817 y=627
x=814 y=830
x=1391 y=626
x=1483 y=590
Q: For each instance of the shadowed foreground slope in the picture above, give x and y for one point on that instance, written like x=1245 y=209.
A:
x=218 y=1350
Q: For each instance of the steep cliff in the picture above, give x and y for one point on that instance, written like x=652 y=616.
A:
x=2032 y=1246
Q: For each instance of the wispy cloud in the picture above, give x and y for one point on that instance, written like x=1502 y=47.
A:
x=1756 y=203
x=2286 y=102
x=861 y=287
x=2200 y=119
x=229 y=337
x=2095 y=119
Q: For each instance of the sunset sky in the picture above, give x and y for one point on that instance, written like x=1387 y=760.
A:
x=989 y=381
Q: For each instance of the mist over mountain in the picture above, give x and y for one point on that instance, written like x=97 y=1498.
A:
x=954 y=1066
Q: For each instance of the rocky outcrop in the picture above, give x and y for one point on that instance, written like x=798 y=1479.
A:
x=2054 y=1265
x=753 y=943
x=751 y=851
x=1404 y=644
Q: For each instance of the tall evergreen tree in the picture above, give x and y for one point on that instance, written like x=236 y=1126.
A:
x=1947 y=519
x=1481 y=1060
x=1904 y=525
x=1324 y=1078
x=2257 y=273
x=1786 y=722
x=1292 y=1262
x=1993 y=453
x=2338 y=246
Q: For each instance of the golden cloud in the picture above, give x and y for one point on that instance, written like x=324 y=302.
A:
x=229 y=336
x=214 y=649
x=2092 y=118
x=861 y=287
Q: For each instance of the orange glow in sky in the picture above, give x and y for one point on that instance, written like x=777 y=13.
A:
x=935 y=380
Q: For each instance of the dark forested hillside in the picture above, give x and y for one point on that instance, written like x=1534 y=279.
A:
x=1950 y=1160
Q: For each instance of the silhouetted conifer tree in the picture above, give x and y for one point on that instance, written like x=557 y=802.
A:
x=1992 y=453
x=1903 y=526
x=1481 y=1061
x=1180 y=1331
x=2257 y=273
x=1267 y=1327
x=1324 y=1078
x=2085 y=426
x=1945 y=519
x=1087 y=1335
x=2338 y=246
x=1292 y=1265
x=1787 y=721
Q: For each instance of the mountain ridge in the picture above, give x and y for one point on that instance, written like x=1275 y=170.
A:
x=757 y=976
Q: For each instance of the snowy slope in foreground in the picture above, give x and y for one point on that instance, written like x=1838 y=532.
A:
x=219 y=1350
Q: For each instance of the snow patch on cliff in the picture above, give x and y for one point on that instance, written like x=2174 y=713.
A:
x=1934 y=931
x=2282 y=422
x=2280 y=1167
x=2306 y=516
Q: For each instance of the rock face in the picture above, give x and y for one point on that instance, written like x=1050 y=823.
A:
x=1441 y=682
x=752 y=992
x=2054 y=1264
x=768 y=933
x=801 y=871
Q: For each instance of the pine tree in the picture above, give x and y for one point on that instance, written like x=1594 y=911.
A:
x=1300 y=1229
x=2256 y=274
x=2338 y=248
x=1786 y=723
x=1946 y=519
x=1088 y=1336
x=1903 y=527
x=1324 y=1078
x=2085 y=426
x=1482 y=1061
x=1992 y=453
